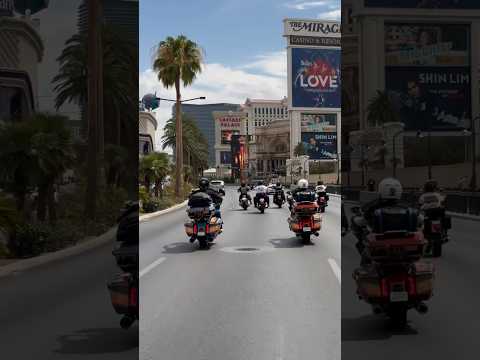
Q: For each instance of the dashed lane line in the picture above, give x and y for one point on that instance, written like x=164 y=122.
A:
x=152 y=266
x=336 y=270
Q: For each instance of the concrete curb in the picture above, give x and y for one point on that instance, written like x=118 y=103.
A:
x=26 y=264
x=154 y=215
x=464 y=216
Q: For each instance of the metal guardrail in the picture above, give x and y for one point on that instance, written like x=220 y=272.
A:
x=455 y=201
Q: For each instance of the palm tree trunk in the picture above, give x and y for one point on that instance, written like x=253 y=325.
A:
x=52 y=211
x=42 y=202
x=91 y=194
x=178 y=143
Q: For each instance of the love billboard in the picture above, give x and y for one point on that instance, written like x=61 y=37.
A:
x=316 y=78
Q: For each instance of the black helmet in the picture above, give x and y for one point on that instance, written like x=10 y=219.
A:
x=243 y=184
x=260 y=182
x=430 y=186
x=278 y=183
x=203 y=184
x=320 y=182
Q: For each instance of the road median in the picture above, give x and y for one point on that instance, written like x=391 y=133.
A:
x=83 y=246
x=150 y=216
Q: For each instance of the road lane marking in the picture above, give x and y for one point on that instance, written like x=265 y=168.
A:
x=152 y=266
x=336 y=270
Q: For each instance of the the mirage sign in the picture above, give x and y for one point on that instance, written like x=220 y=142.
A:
x=316 y=80
x=312 y=28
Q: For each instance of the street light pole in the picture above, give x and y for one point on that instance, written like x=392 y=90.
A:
x=179 y=139
x=473 y=181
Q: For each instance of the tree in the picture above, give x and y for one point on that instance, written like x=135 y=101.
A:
x=153 y=169
x=178 y=60
x=195 y=145
x=381 y=110
x=300 y=149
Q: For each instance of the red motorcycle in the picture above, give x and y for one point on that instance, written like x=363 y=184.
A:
x=395 y=280
x=304 y=220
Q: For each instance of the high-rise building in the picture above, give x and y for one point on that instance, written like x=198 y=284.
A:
x=122 y=14
x=203 y=117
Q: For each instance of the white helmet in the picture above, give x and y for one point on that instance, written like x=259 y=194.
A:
x=390 y=188
x=303 y=184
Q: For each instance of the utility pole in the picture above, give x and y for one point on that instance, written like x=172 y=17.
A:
x=92 y=98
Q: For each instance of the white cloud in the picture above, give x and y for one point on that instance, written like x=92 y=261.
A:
x=331 y=15
x=305 y=5
x=220 y=83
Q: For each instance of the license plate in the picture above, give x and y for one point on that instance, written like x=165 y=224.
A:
x=398 y=296
x=201 y=233
x=307 y=229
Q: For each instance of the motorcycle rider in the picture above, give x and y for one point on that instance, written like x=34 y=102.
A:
x=302 y=192
x=390 y=195
x=243 y=190
x=321 y=190
x=432 y=202
x=204 y=187
x=279 y=188
x=261 y=192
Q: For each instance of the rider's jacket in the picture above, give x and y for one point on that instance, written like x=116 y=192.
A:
x=243 y=190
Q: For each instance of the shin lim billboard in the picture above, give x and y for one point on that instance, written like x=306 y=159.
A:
x=316 y=78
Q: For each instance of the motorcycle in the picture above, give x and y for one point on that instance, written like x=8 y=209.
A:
x=289 y=200
x=123 y=287
x=305 y=220
x=322 y=202
x=204 y=226
x=261 y=205
x=278 y=198
x=435 y=229
x=244 y=202
x=395 y=279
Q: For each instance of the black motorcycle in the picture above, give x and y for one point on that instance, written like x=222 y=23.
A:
x=124 y=286
x=278 y=198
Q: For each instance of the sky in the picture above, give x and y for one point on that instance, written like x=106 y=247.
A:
x=57 y=24
x=244 y=50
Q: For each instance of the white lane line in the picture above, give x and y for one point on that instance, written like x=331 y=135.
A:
x=152 y=266
x=336 y=270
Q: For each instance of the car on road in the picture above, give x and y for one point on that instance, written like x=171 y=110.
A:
x=218 y=185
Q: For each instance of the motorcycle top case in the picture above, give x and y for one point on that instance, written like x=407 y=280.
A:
x=127 y=257
x=123 y=293
x=396 y=247
x=307 y=208
x=199 y=200
x=393 y=219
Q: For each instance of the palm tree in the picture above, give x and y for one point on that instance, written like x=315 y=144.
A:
x=154 y=168
x=195 y=146
x=300 y=149
x=178 y=60
x=381 y=110
x=53 y=150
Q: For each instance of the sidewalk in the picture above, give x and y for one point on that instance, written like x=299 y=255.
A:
x=150 y=216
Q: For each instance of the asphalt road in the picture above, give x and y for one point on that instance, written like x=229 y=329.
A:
x=62 y=311
x=279 y=302
x=448 y=331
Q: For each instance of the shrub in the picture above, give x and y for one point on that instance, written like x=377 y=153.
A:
x=150 y=206
x=28 y=240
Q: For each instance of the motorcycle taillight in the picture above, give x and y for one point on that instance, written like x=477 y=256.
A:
x=207 y=228
x=195 y=228
x=411 y=286
x=436 y=227
x=384 y=288
x=133 y=298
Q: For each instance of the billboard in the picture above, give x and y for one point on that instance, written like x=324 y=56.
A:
x=424 y=4
x=237 y=147
x=427 y=45
x=309 y=27
x=316 y=78
x=320 y=145
x=226 y=136
x=438 y=98
x=318 y=122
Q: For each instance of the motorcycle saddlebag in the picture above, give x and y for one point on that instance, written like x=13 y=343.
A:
x=123 y=294
x=214 y=226
x=424 y=278
x=368 y=283
x=189 y=228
